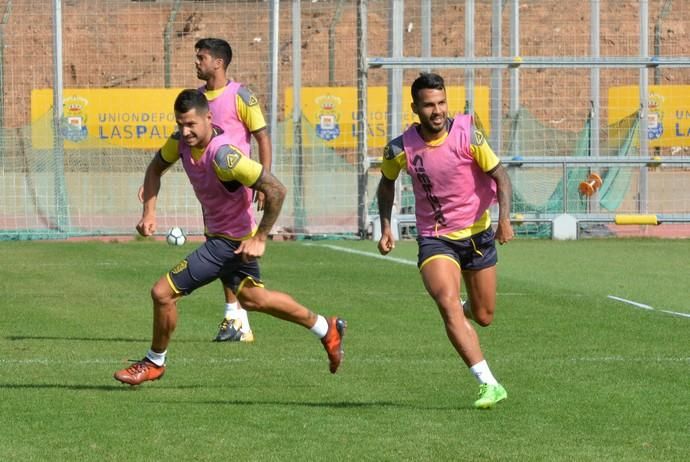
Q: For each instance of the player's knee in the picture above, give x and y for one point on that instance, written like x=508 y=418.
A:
x=161 y=293
x=448 y=307
x=483 y=316
x=484 y=319
x=445 y=299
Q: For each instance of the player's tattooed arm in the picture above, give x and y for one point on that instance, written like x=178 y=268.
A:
x=274 y=195
x=504 y=191
x=504 y=230
x=385 y=195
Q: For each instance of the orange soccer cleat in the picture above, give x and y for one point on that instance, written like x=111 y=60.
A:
x=139 y=372
x=333 y=342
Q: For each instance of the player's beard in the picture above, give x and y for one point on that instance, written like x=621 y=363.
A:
x=201 y=75
x=435 y=126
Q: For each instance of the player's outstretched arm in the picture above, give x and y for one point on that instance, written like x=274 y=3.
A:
x=385 y=195
x=263 y=140
x=140 y=192
x=504 y=192
x=149 y=195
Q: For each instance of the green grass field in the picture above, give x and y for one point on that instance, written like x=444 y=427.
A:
x=589 y=378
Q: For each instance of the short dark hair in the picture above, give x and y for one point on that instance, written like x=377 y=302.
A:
x=191 y=99
x=427 y=80
x=218 y=48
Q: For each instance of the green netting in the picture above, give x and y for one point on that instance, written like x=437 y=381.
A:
x=616 y=181
x=49 y=195
x=542 y=191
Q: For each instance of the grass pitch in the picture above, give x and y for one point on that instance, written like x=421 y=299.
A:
x=589 y=377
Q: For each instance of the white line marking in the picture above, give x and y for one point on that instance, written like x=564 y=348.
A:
x=647 y=307
x=630 y=302
x=366 y=254
x=622 y=359
x=685 y=315
x=386 y=258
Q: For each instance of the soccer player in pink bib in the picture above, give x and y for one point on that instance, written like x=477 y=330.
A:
x=223 y=179
x=456 y=177
x=236 y=110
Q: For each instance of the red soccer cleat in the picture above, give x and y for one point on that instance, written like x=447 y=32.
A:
x=333 y=342
x=139 y=372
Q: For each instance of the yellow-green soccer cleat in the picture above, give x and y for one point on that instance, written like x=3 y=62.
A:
x=489 y=395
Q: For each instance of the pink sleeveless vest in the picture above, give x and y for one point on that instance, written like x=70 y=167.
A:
x=226 y=211
x=451 y=190
x=224 y=113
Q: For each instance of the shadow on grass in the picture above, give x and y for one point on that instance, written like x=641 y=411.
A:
x=79 y=387
x=92 y=339
x=318 y=404
x=233 y=402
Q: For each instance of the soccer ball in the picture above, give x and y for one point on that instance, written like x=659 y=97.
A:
x=176 y=236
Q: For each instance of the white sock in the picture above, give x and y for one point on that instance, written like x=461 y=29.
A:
x=242 y=313
x=231 y=310
x=156 y=358
x=482 y=373
x=320 y=327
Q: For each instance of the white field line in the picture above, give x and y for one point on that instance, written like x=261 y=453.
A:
x=647 y=307
x=630 y=302
x=386 y=258
x=366 y=254
x=676 y=313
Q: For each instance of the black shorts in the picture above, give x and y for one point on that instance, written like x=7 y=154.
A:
x=474 y=253
x=215 y=259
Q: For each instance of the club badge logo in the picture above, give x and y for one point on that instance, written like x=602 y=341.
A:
x=655 y=117
x=328 y=128
x=74 y=118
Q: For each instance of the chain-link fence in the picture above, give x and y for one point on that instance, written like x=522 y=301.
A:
x=546 y=78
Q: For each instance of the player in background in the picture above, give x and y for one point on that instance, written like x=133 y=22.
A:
x=456 y=177
x=236 y=110
x=223 y=179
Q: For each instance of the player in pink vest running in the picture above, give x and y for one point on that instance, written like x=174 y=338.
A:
x=223 y=178
x=236 y=110
x=456 y=177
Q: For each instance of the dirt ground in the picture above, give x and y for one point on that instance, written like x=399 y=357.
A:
x=120 y=43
